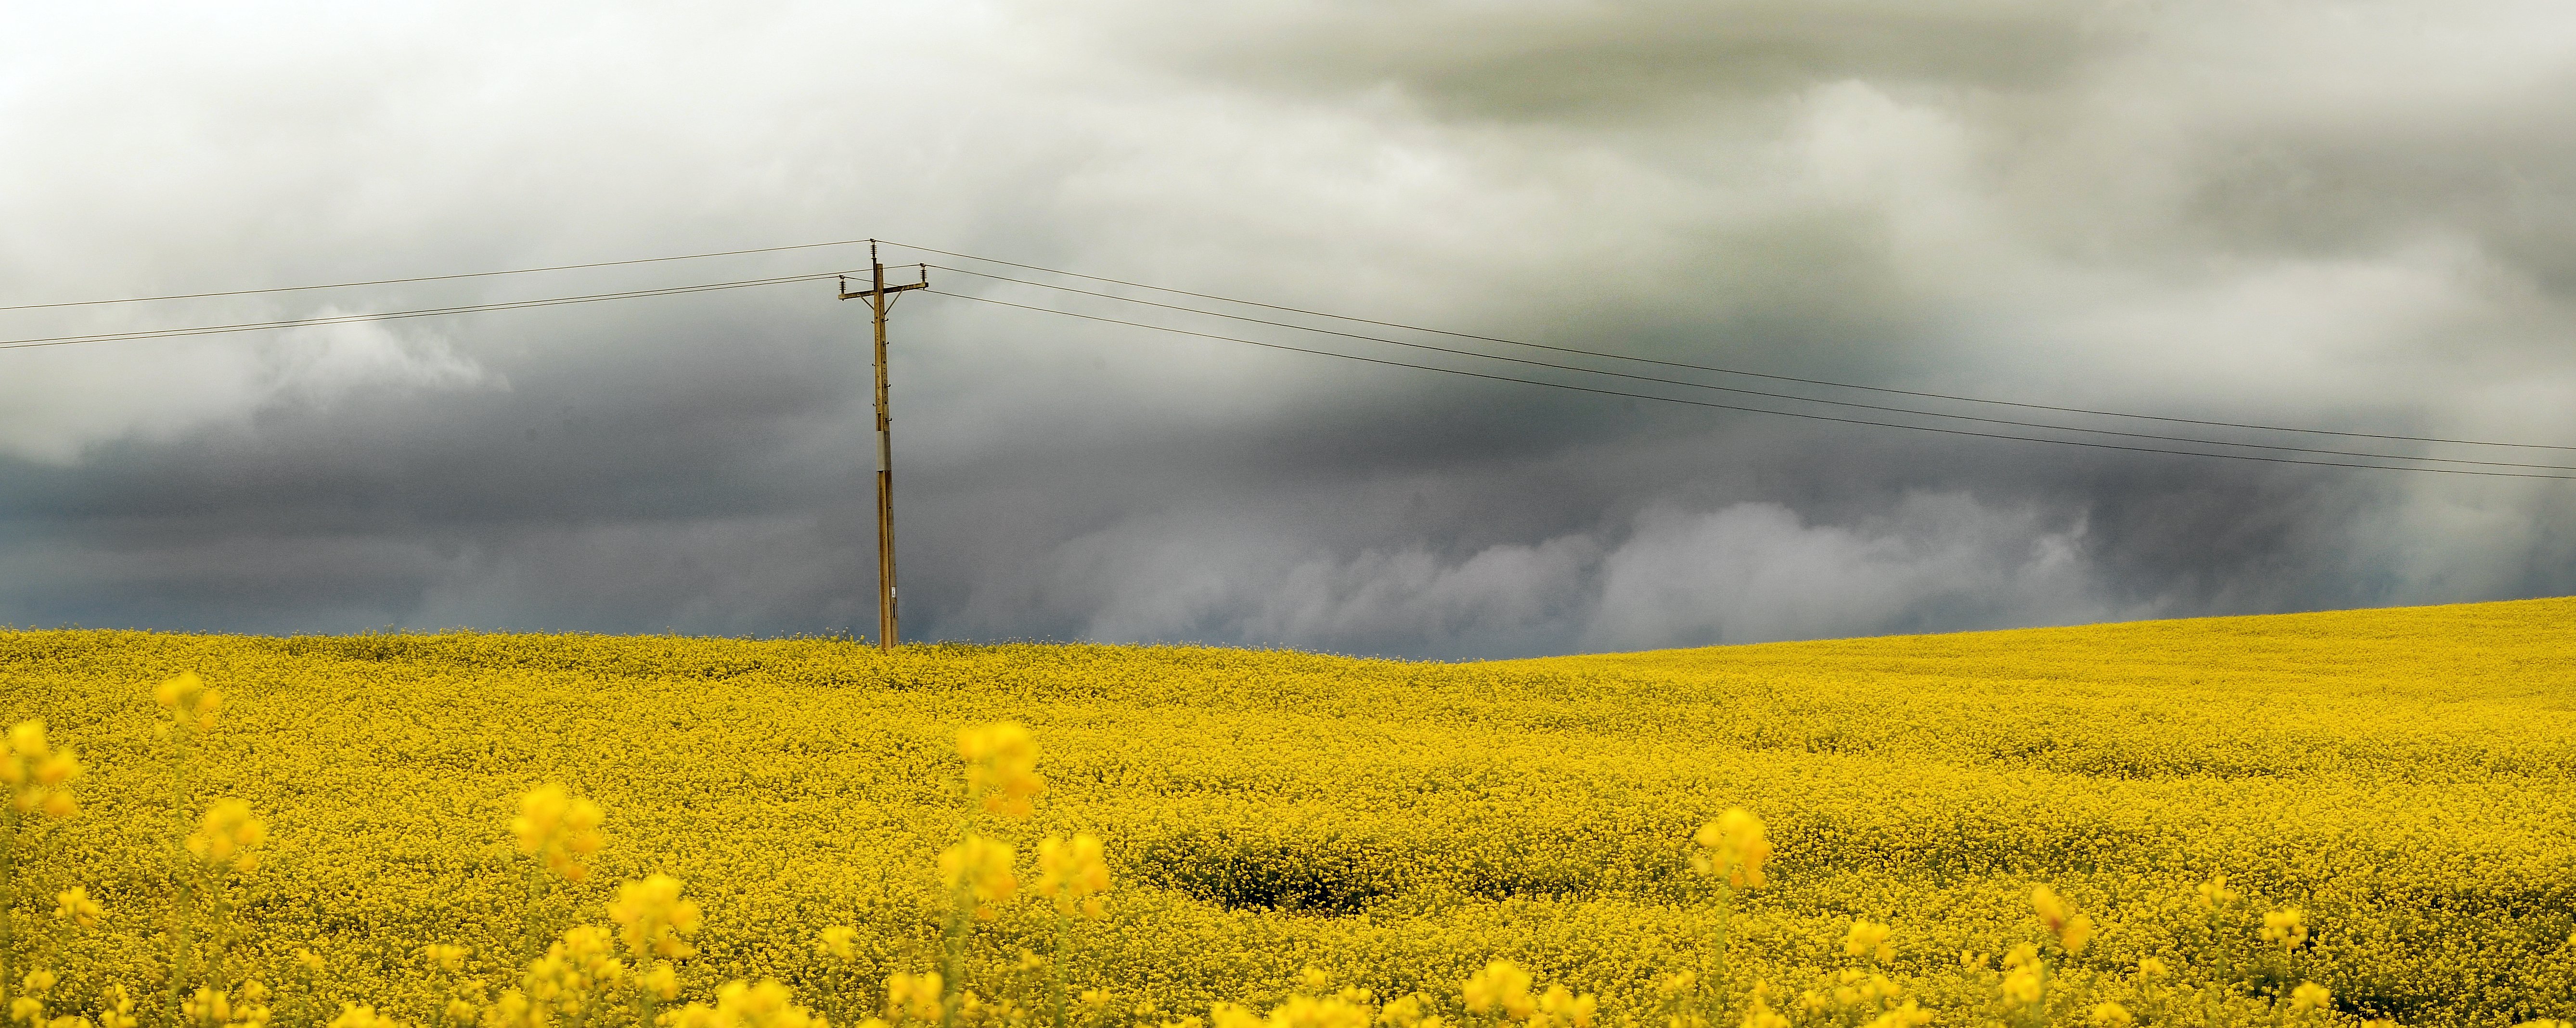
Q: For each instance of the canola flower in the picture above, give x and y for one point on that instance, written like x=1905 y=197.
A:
x=1560 y=1007
x=227 y=839
x=1500 y=987
x=559 y=829
x=1315 y=1004
x=2287 y=929
x=1405 y=822
x=29 y=1003
x=660 y=981
x=1861 y=996
x=1072 y=874
x=916 y=997
x=654 y=920
x=1757 y=1013
x=2025 y=978
x=1733 y=848
x=578 y=973
x=839 y=942
x=1301 y=1011
x=359 y=1015
x=2214 y=895
x=2026 y=973
x=979 y=870
x=450 y=959
x=1411 y=1010
x=193 y=705
x=115 y=1007
x=214 y=1008
x=37 y=773
x=2073 y=930
x=1903 y=1015
x=74 y=908
x=228 y=836
x=1868 y=940
x=765 y=1004
x=1001 y=767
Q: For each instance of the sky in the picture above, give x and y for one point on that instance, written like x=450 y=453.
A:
x=2351 y=217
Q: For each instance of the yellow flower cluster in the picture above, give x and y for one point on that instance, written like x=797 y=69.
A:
x=1733 y=847
x=1001 y=767
x=2073 y=930
x=2285 y=928
x=190 y=702
x=2214 y=895
x=839 y=942
x=73 y=907
x=558 y=829
x=229 y=834
x=1402 y=825
x=745 y=1005
x=1502 y=989
x=915 y=997
x=213 y=1008
x=654 y=919
x=36 y=772
x=1072 y=874
x=980 y=870
x=1867 y=939
x=578 y=973
x=2025 y=977
x=355 y=1015
x=115 y=1007
x=29 y=1004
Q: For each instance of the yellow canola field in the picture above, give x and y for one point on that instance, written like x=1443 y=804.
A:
x=2406 y=778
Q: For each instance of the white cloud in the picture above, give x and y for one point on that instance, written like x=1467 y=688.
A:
x=323 y=365
x=1755 y=572
x=1746 y=572
x=64 y=400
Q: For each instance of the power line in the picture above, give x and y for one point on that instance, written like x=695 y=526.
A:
x=435 y=278
x=1733 y=371
x=1320 y=314
x=341 y=319
x=776 y=280
x=1757 y=392
x=1748 y=410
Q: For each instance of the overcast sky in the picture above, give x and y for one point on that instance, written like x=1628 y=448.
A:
x=2336 y=215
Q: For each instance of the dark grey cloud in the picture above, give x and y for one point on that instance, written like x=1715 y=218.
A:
x=2350 y=215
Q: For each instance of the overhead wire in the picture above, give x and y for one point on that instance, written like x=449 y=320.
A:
x=1730 y=371
x=1735 y=407
x=1788 y=397
x=435 y=278
x=340 y=319
x=1761 y=393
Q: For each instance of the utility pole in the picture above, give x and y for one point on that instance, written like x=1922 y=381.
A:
x=880 y=298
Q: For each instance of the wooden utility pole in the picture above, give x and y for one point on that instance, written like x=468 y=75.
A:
x=880 y=298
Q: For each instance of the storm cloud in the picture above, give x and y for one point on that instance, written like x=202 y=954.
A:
x=2359 y=217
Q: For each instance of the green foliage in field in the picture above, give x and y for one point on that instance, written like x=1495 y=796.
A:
x=2402 y=777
